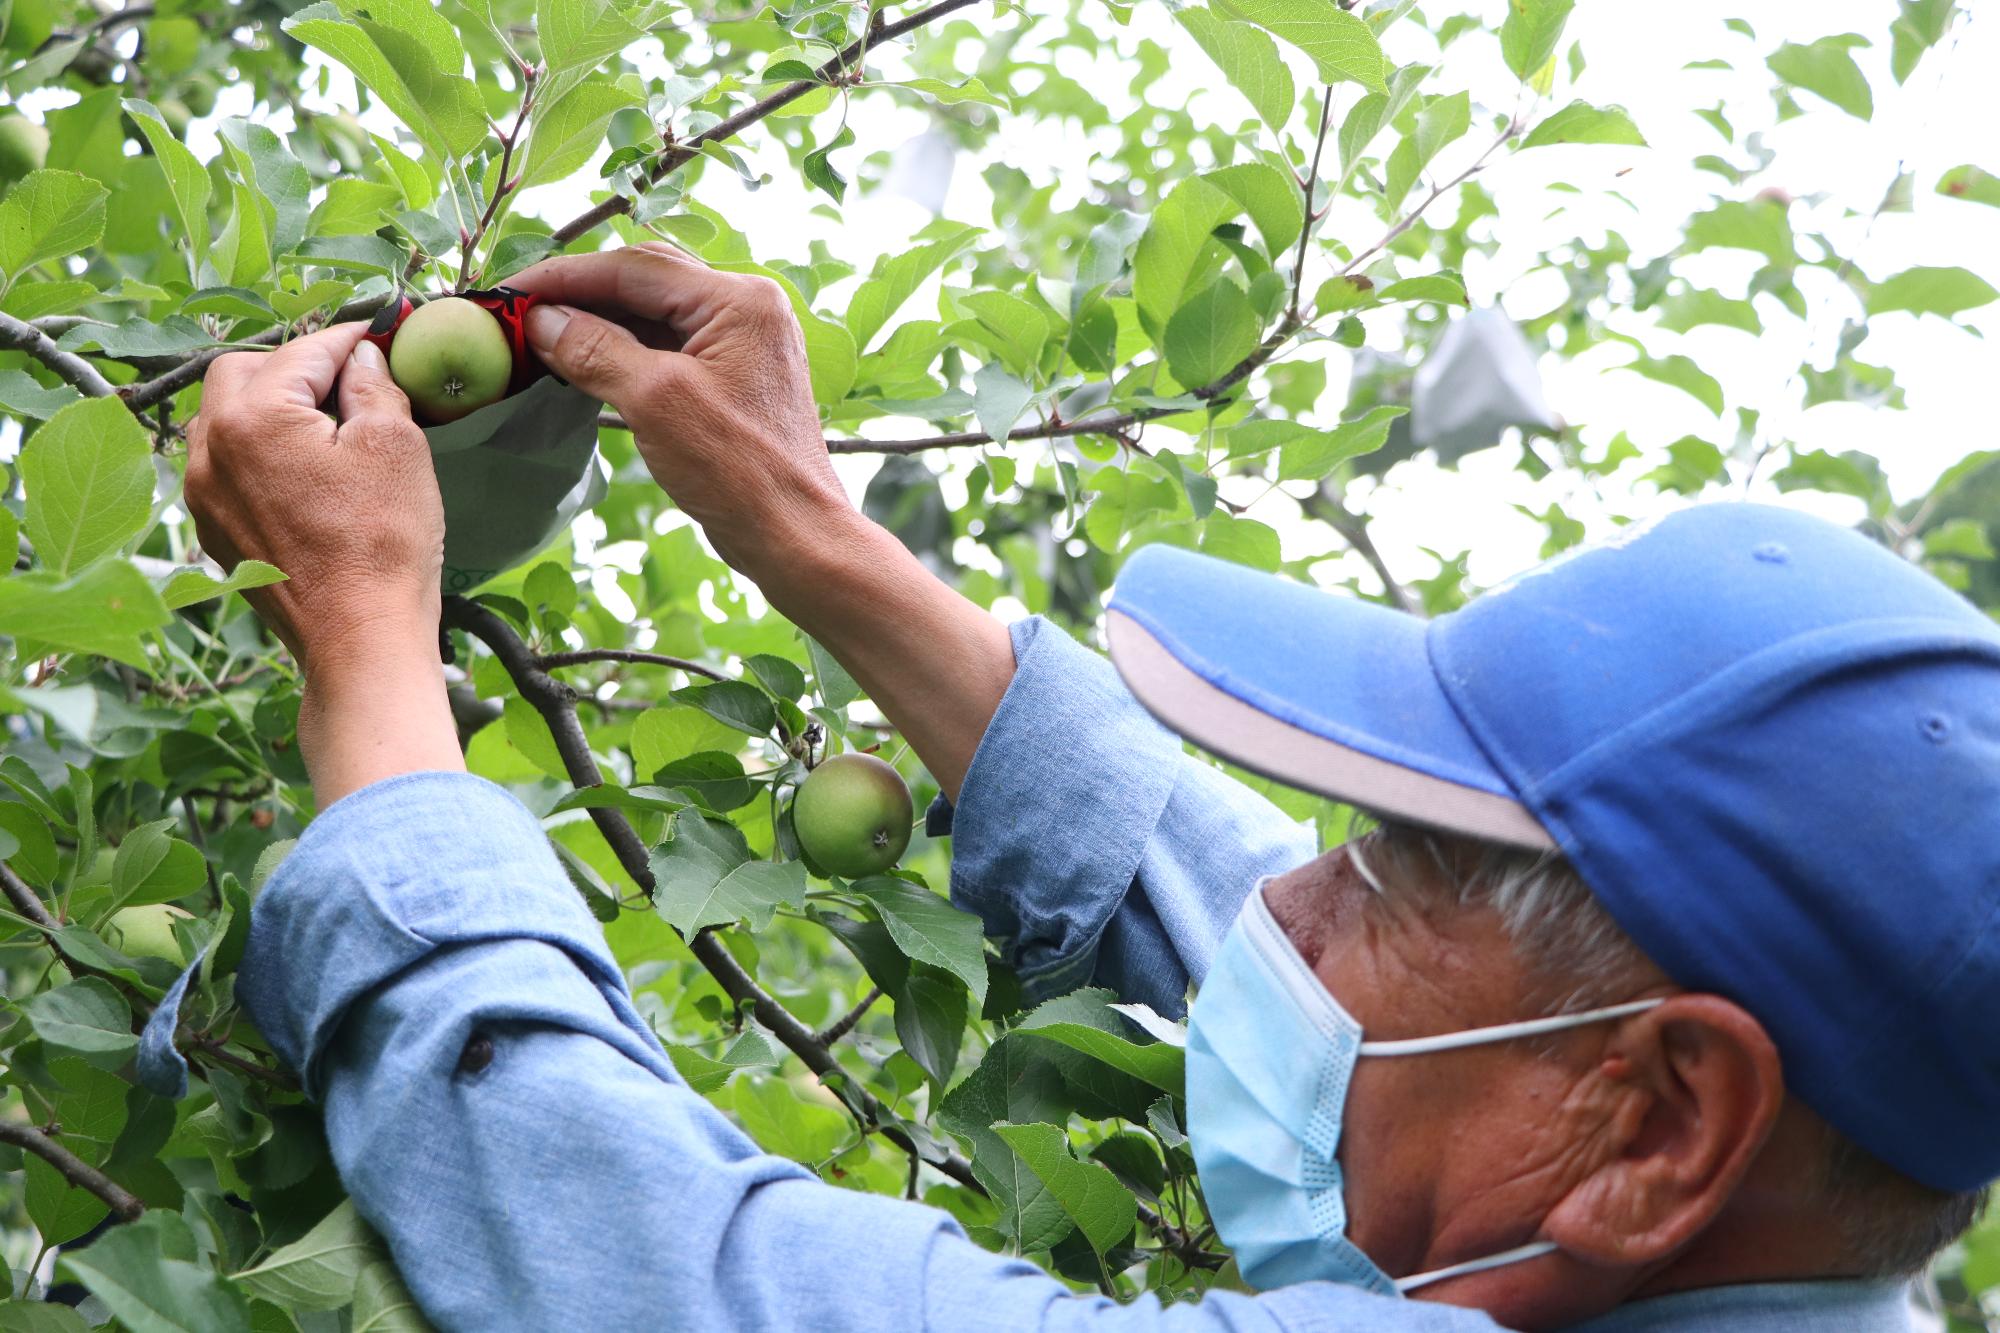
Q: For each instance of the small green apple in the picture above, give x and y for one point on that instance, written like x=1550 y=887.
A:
x=24 y=147
x=452 y=358
x=148 y=932
x=853 y=815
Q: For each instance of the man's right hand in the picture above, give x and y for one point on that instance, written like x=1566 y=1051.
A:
x=708 y=369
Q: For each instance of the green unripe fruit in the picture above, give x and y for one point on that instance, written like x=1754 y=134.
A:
x=147 y=932
x=199 y=94
x=853 y=815
x=24 y=147
x=176 y=114
x=452 y=358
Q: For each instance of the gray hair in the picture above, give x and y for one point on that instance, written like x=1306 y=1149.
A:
x=1582 y=959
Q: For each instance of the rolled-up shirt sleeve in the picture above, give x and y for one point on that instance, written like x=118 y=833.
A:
x=1092 y=846
x=500 y=1112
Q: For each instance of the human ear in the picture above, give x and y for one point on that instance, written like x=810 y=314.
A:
x=1693 y=1089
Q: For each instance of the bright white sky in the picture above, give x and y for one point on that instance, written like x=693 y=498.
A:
x=1835 y=164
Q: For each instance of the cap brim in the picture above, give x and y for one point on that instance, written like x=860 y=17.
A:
x=1323 y=692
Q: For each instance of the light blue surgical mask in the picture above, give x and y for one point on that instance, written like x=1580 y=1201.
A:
x=1269 y=1056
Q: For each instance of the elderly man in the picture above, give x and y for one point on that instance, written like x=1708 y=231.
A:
x=1661 y=998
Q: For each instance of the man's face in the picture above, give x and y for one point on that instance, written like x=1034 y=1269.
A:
x=1457 y=1154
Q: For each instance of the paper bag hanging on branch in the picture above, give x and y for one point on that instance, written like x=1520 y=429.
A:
x=1478 y=380
x=514 y=473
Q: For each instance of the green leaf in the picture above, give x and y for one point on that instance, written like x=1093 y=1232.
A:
x=1929 y=291
x=1972 y=184
x=1312 y=455
x=39 y=1317
x=569 y=132
x=1682 y=373
x=1759 y=225
x=1580 y=122
x=1827 y=67
x=931 y=1013
x=152 y=866
x=49 y=214
x=998 y=399
x=24 y=396
x=1083 y=1022
x=278 y=180
x=580 y=33
x=1444 y=288
x=382 y=1304
x=1015 y=1082
x=1439 y=121
x=104 y=609
x=711 y=777
x=1697 y=306
x=1102 y=1209
x=1182 y=225
x=1211 y=333
x=1530 y=32
x=784 y=1123
x=1244 y=541
x=1018 y=328
x=705 y=1074
x=187 y=179
x=405 y=65
x=929 y=929
x=145 y=1273
x=951 y=94
x=896 y=279
x=696 y=885
x=1342 y=46
x=185 y=587
x=319 y=1270
x=662 y=735
x=734 y=703
x=818 y=169
x=88 y=1017
x=174 y=336
x=1249 y=59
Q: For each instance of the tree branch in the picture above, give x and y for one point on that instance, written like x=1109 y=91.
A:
x=146 y=393
x=1353 y=530
x=79 y=1173
x=681 y=154
x=26 y=901
x=21 y=336
x=548 y=660
x=556 y=702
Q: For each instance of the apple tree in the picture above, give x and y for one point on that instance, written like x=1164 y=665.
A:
x=1223 y=274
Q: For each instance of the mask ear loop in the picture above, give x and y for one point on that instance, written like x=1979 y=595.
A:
x=1533 y=1027
x=1533 y=1250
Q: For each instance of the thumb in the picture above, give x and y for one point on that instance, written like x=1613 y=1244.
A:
x=601 y=358
x=366 y=389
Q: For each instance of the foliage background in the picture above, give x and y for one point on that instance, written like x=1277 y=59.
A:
x=1719 y=304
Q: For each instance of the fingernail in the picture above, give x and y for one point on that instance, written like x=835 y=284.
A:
x=367 y=356
x=546 y=323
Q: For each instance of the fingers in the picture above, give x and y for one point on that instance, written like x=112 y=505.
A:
x=302 y=372
x=597 y=356
x=658 y=284
x=367 y=393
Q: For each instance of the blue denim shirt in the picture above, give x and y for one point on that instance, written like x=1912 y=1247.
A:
x=574 y=1181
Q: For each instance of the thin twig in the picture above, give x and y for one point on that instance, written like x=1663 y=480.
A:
x=633 y=655
x=1353 y=530
x=556 y=703
x=681 y=154
x=1309 y=184
x=1408 y=219
x=1111 y=425
x=843 y=1025
x=21 y=336
x=74 y=1169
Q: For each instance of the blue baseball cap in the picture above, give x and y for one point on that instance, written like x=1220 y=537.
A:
x=1769 y=746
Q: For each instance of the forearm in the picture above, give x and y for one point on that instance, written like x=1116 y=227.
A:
x=375 y=713
x=935 y=664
